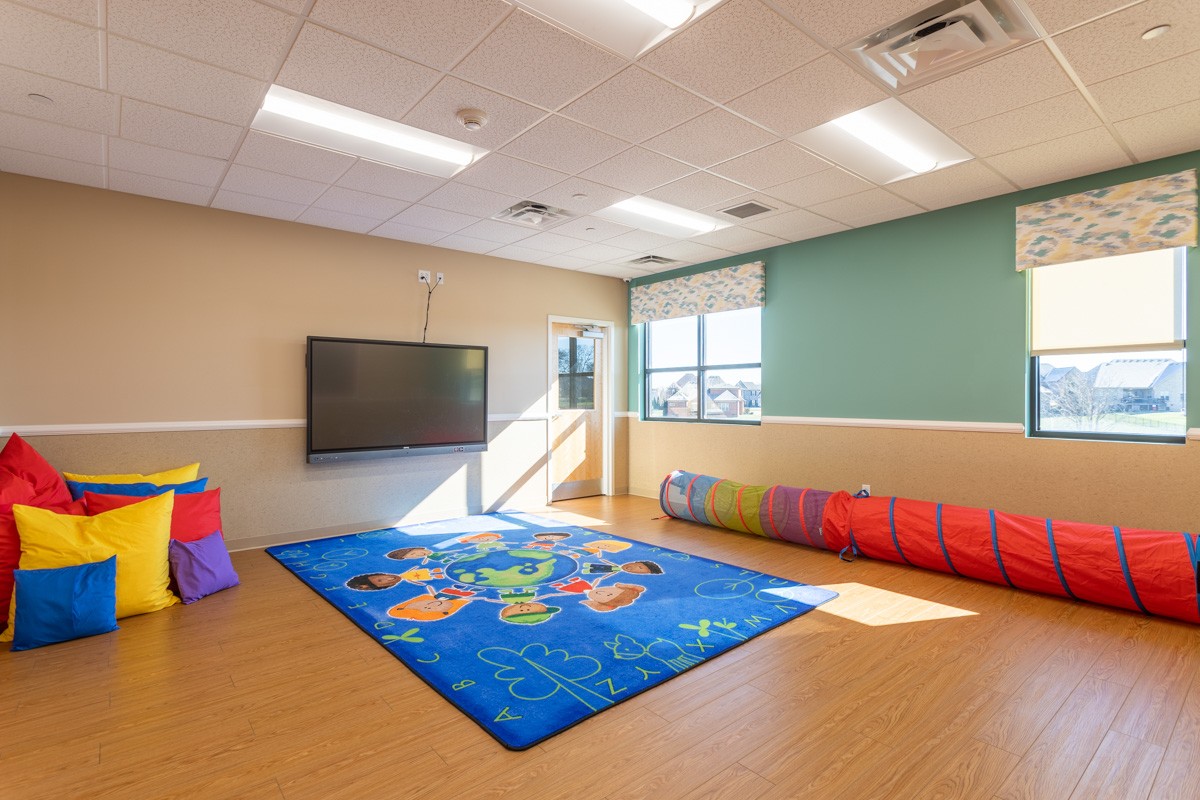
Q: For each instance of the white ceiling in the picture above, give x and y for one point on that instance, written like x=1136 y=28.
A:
x=155 y=97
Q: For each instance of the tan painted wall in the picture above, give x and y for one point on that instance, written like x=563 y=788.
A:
x=1108 y=483
x=126 y=309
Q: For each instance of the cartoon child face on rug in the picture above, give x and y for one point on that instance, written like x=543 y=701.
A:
x=604 y=546
x=374 y=581
x=547 y=539
x=428 y=607
x=527 y=613
x=631 y=567
x=610 y=598
x=484 y=541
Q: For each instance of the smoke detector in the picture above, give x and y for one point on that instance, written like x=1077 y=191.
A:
x=942 y=39
x=534 y=215
x=472 y=118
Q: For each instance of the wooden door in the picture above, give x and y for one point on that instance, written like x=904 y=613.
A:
x=577 y=392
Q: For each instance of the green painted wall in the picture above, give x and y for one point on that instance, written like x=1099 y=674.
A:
x=918 y=318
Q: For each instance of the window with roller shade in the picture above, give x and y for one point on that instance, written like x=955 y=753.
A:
x=1107 y=348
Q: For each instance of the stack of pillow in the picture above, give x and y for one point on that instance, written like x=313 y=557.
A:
x=77 y=555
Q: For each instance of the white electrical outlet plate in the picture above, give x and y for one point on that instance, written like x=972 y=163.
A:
x=867 y=488
x=423 y=276
x=441 y=278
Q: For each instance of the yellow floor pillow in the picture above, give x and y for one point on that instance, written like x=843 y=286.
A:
x=178 y=475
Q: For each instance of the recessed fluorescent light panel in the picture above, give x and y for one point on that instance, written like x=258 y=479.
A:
x=311 y=120
x=627 y=27
x=658 y=217
x=885 y=142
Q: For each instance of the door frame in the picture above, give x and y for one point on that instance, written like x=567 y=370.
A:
x=606 y=419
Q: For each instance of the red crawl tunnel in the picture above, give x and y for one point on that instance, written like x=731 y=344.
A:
x=1154 y=572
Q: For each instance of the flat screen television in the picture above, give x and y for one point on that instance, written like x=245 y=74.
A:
x=373 y=399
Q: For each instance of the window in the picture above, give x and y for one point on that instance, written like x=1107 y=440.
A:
x=705 y=368
x=1107 y=348
x=576 y=372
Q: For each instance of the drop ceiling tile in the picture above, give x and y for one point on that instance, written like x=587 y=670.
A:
x=360 y=204
x=1163 y=85
x=951 y=186
x=524 y=46
x=175 y=130
x=616 y=271
x=1163 y=133
x=294 y=6
x=594 y=197
x=258 y=206
x=710 y=138
x=286 y=157
x=636 y=171
x=518 y=253
x=38 y=42
x=238 y=35
x=564 y=145
x=498 y=232
x=603 y=252
x=769 y=166
x=375 y=178
x=437 y=113
x=592 y=229
x=692 y=251
x=79 y=10
x=48 y=139
x=819 y=187
x=469 y=200
x=157 y=186
x=503 y=173
x=166 y=79
x=831 y=20
x=640 y=241
x=796 y=225
x=432 y=32
x=809 y=96
x=260 y=183
x=456 y=241
x=739 y=240
x=341 y=70
x=1113 y=45
x=1010 y=81
x=636 y=105
x=867 y=208
x=1038 y=122
x=1068 y=157
x=146 y=159
x=552 y=243
x=1057 y=15
x=75 y=106
x=326 y=218
x=566 y=262
x=697 y=190
x=733 y=49
x=433 y=218
x=407 y=233
x=51 y=168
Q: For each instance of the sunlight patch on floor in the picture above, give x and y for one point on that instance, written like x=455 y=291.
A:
x=870 y=605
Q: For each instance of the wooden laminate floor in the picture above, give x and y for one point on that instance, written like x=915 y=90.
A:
x=910 y=685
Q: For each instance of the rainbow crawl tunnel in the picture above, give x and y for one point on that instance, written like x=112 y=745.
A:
x=1152 y=572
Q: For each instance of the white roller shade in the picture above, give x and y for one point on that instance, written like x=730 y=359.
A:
x=1130 y=302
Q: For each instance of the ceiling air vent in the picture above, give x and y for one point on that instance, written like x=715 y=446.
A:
x=944 y=38
x=654 y=260
x=535 y=215
x=746 y=210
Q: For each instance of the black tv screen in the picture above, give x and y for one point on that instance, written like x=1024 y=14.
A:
x=371 y=398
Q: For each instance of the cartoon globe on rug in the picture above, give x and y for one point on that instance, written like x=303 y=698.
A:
x=507 y=569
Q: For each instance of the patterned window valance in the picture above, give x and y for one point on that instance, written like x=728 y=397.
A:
x=1150 y=214
x=728 y=289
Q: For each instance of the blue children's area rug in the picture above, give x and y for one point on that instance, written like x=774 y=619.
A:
x=529 y=626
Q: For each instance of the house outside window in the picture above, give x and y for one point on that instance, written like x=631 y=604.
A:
x=1108 y=358
x=705 y=368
